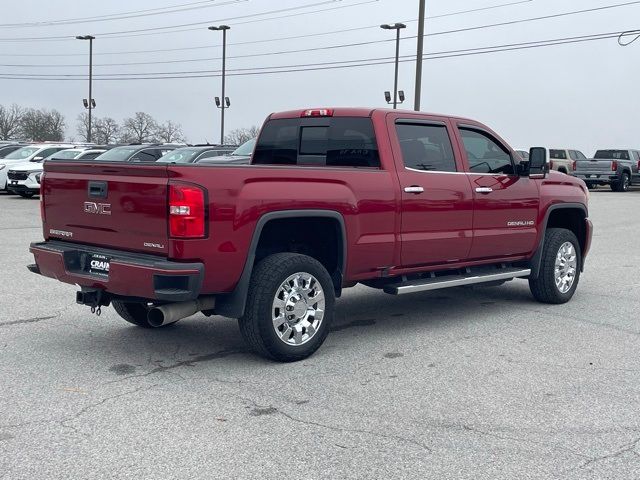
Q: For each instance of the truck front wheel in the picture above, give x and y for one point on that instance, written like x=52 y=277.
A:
x=559 y=268
x=289 y=307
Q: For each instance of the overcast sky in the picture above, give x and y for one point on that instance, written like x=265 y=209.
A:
x=581 y=95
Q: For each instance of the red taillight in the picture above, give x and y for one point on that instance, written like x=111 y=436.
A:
x=614 y=166
x=318 y=112
x=186 y=211
x=551 y=165
x=574 y=164
x=42 y=215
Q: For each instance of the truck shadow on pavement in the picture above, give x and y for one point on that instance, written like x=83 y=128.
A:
x=361 y=312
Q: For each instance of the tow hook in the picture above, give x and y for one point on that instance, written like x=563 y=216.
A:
x=93 y=298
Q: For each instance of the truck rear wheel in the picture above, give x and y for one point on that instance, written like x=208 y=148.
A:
x=559 y=268
x=623 y=184
x=135 y=313
x=289 y=307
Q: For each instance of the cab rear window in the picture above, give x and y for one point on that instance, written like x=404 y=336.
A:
x=330 y=142
x=558 y=154
x=612 y=154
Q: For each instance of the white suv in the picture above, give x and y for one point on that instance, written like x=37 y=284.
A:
x=24 y=178
x=29 y=153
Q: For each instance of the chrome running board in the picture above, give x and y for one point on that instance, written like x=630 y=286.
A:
x=436 y=283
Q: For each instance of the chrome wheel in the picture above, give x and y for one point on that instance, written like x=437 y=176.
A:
x=625 y=182
x=298 y=309
x=565 y=267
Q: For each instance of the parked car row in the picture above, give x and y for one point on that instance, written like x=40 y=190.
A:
x=21 y=165
x=561 y=160
x=618 y=168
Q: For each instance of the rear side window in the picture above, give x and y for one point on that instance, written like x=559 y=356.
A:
x=118 y=154
x=49 y=151
x=211 y=154
x=145 y=156
x=558 y=154
x=65 y=154
x=22 y=153
x=331 y=142
x=612 y=154
x=636 y=155
x=485 y=155
x=426 y=147
x=7 y=150
x=89 y=156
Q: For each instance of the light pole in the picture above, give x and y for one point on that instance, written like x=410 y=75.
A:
x=89 y=103
x=418 y=89
x=397 y=27
x=223 y=103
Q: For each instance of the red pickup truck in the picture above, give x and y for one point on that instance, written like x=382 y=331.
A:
x=400 y=201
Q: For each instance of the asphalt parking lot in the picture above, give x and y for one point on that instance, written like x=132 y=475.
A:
x=464 y=384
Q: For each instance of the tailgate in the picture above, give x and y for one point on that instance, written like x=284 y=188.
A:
x=593 y=165
x=116 y=206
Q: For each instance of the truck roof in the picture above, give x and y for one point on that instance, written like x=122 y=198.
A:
x=357 y=112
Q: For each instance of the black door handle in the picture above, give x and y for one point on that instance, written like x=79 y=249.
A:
x=97 y=190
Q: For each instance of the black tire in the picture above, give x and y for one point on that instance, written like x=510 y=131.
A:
x=256 y=325
x=544 y=288
x=623 y=184
x=135 y=313
x=26 y=194
x=592 y=186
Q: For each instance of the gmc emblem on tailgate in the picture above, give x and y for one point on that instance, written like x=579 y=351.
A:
x=97 y=208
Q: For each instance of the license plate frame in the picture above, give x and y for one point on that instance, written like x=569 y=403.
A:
x=98 y=264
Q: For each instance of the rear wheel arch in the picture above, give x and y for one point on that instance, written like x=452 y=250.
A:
x=570 y=216
x=233 y=304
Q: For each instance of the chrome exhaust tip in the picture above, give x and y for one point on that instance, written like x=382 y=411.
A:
x=172 y=312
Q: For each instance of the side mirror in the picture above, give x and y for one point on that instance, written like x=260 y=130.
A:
x=538 y=167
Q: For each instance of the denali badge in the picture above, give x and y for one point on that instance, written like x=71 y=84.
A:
x=60 y=233
x=521 y=223
x=154 y=245
x=97 y=208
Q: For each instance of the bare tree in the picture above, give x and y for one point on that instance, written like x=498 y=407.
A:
x=10 y=120
x=141 y=128
x=241 y=135
x=42 y=125
x=56 y=125
x=82 y=127
x=170 y=132
x=106 y=131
